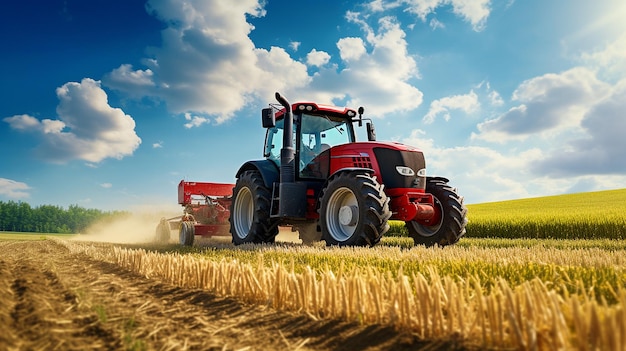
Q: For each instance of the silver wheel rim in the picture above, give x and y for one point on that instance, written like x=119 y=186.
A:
x=427 y=231
x=244 y=212
x=339 y=227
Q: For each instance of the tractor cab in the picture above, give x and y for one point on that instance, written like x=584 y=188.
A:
x=318 y=128
x=313 y=136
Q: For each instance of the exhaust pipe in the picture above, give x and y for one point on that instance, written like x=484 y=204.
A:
x=287 y=153
x=292 y=195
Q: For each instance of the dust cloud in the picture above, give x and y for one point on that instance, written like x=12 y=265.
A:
x=136 y=228
x=139 y=227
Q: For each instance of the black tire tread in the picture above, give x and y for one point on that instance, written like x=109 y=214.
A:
x=375 y=207
x=263 y=229
x=454 y=216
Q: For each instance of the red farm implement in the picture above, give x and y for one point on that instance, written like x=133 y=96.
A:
x=205 y=212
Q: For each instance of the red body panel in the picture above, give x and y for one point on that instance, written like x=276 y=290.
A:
x=406 y=204
x=187 y=189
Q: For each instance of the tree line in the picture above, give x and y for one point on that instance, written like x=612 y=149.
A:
x=21 y=217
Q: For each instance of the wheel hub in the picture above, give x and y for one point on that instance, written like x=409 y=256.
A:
x=348 y=215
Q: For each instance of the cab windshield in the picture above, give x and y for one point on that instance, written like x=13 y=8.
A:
x=316 y=134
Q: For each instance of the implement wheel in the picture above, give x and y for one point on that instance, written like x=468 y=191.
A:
x=354 y=210
x=250 y=220
x=452 y=217
x=186 y=233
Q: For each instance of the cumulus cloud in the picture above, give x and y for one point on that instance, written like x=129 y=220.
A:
x=475 y=12
x=13 y=189
x=87 y=129
x=377 y=71
x=601 y=151
x=136 y=83
x=317 y=58
x=610 y=61
x=576 y=114
x=485 y=174
x=208 y=66
x=549 y=102
x=467 y=103
x=351 y=49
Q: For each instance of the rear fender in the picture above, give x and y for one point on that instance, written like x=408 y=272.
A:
x=268 y=169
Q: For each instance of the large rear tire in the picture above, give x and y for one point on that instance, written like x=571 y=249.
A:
x=186 y=233
x=452 y=219
x=354 y=210
x=250 y=220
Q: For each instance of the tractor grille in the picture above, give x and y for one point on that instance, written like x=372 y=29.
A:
x=362 y=162
x=389 y=159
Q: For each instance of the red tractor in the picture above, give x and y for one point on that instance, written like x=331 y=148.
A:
x=319 y=180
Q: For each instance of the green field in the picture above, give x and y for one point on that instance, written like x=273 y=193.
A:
x=591 y=215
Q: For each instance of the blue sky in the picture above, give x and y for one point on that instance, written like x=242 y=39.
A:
x=109 y=104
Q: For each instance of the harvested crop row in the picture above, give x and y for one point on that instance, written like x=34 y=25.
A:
x=527 y=316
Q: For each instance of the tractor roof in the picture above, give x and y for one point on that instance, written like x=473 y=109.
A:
x=321 y=109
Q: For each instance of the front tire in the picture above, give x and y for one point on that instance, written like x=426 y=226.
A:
x=250 y=220
x=186 y=233
x=452 y=217
x=354 y=210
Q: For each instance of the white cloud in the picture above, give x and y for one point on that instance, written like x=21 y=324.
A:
x=106 y=185
x=435 y=24
x=294 y=45
x=611 y=60
x=351 y=49
x=208 y=66
x=136 y=83
x=376 y=74
x=577 y=116
x=601 y=150
x=317 y=58
x=475 y=12
x=467 y=103
x=195 y=121
x=157 y=145
x=549 y=103
x=484 y=174
x=22 y=122
x=87 y=129
x=13 y=189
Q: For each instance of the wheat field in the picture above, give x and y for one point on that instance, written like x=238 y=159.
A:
x=533 y=274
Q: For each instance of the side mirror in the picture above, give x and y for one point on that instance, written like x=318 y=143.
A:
x=268 y=117
x=371 y=132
